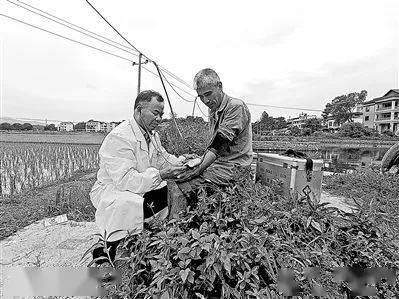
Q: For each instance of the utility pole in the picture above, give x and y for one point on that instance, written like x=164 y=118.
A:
x=139 y=75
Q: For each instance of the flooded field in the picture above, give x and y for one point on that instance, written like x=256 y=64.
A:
x=25 y=166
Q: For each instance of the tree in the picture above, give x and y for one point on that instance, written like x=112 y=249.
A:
x=80 y=126
x=341 y=108
x=268 y=123
x=50 y=127
x=356 y=130
x=16 y=127
x=5 y=126
x=313 y=124
x=27 y=127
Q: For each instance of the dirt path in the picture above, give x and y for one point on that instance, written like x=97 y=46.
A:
x=37 y=245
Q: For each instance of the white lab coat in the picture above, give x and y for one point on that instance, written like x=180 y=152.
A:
x=128 y=169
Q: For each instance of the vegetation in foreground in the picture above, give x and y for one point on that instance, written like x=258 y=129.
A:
x=371 y=192
x=236 y=242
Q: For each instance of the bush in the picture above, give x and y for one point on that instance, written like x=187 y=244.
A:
x=356 y=130
x=370 y=190
x=388 y=133
x=234 y=244
x=195 y=132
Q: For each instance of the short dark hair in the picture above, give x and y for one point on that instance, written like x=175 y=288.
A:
x=146 y=96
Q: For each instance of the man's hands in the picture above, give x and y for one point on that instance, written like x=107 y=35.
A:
x=190 y=156
x=206 y=161
x=189 y=174
x=172 y=172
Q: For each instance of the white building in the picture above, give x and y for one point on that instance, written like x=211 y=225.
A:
x=299 y=121
x=65 y=126
x=100 y=126
x=93 y=126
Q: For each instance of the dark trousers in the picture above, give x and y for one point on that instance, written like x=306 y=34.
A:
x=154 y=202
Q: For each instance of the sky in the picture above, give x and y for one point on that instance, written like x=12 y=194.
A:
x=286 y=53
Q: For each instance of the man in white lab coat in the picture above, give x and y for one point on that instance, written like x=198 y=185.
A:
x=131 y=189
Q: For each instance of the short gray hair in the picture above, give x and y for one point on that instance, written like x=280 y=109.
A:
x=206 y=77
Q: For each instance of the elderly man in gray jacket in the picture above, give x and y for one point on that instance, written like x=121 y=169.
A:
x=230 y=147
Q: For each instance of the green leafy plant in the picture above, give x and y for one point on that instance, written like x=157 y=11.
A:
x=237 y=240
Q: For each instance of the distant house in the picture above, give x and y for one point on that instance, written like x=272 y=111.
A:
x=299 y=121
x=93 y=126
x=332 y=125
x=383 y=113
x=100 y=126
x=65 y=126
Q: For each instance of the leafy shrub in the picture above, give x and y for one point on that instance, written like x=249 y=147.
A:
x=195 y=132
x=372 y=192
x=356 y=130
x=235 y=242
x=388 y=133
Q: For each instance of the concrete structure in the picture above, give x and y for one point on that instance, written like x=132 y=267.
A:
x=383 y=113
x=65 y=126
x=300 y=120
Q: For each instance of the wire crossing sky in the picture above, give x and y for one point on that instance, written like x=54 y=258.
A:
x=277 y=56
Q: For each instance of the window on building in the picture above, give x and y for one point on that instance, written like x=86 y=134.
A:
x=367 y=109
x=367 y=118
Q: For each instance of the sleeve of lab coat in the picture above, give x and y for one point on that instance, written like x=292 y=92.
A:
x=164 y=158
x=118 y=158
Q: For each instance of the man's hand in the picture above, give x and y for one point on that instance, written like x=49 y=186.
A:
x=188 y=175
x=190 y=156
x=172 y=172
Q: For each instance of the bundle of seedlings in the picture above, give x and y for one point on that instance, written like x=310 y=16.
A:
x=250 y=242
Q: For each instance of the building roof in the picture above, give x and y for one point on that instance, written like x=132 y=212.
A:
x=389 y=94
x=66 y=123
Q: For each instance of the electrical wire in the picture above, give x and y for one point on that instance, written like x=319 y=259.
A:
x=70 y=27
x=176 y=77
x=167 y=81
x=115 y=29
x=201 y=110
x=84 y=30
x=280 y=107
x=77 y=26
x=156 y=75
x=67 y=38
x=118 y=56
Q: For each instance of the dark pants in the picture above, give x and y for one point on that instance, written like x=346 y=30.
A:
x=154 y=202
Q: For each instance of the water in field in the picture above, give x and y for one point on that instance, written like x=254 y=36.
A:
x=345 y=159
x=25 y=166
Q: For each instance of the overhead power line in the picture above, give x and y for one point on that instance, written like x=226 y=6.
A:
x=71 y=26
x=93 y=35
x=74 y=25
x=125 y=49
x=67 y=38
x=115 y=29
x=280 y=107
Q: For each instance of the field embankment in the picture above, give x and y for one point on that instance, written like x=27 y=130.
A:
x=52 y=137
x=69 y=197
x=313 y=144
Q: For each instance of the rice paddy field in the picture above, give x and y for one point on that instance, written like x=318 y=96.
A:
x=25 y=164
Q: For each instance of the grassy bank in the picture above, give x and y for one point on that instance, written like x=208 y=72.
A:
x=69 y=197
x=372 y=192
